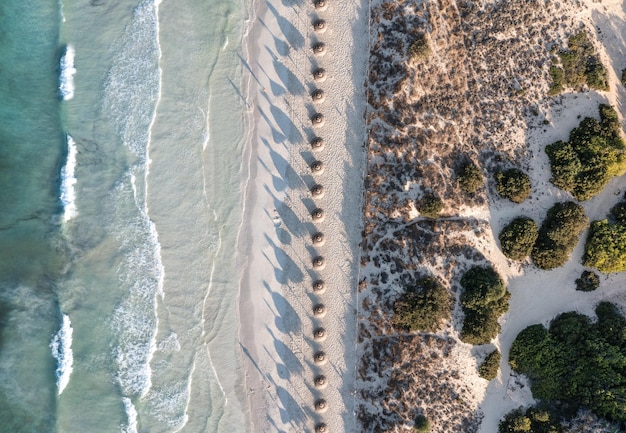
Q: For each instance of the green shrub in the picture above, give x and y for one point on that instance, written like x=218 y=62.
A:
x=580 y=65
x=559 y=234
x=576 y=361
x=532 y=420
x=623 y=80
x=470 y=178
x=430 y=206
x=419 y=48
x=618 y=212
x=423 y=306
x=513 y=184
x=518 y=237
x=557 y=76
x=596 y=74
x=588 y=281
x=605 y=248
x=422 y=425
x=483 y=300
x=489 y=368
x=592 y=156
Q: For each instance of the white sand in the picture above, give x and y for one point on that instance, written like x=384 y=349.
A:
x=275 y=243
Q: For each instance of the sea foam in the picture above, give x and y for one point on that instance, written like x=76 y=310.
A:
x=131 y=415
x=68 y=180
x=66 y=75
x=61 y=346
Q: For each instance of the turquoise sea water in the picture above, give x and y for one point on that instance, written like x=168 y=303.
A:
x=121 y=141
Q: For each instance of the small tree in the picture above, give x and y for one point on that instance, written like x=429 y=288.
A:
x=423 y=306
x=422 y=425
x=489 y=368
x=419 y=48
x=518 y=237
x=623 y=77
x=430 y=205
x=588 y=282
x=470 y=177
x=513 y=184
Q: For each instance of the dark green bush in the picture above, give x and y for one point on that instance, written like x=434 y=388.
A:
x=489 y=368
x=518 y=237
x=623 y=77
x=430 y=206
x=422 y=425
x=557 y=76
x=559 y=234
x=483 y=300
x=470 y=178
x=419 y=48
x=618 y=212
x=533 y=420
x=605 y=248
x=588 y=281
x=423 y=306
x=592 y=156
x=576 y=361
x=580 y=65
x=513 y=184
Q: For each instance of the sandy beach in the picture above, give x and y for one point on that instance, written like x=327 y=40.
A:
x=280 y=331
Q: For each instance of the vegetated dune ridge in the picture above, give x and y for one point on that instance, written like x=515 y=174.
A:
x=480 y=95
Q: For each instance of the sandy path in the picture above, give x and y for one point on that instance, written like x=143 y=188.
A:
x=277 y=300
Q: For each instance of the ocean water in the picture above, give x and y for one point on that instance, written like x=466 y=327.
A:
x=122 y=139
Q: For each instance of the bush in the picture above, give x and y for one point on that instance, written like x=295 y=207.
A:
x=576 y=361
x=470 y=178
x=588 y=281
x=483 y=300
x=618 y=212
x=419 y=48
x=430 y=206
x=623 y=77
x=513 y=184
x=559 y=234
x=489 y=368
x=605 y=248
x=557 y=76
x=580 y=65
x=423 y=306
x=518 y=237
x=592 y=156
x=422 y=425
x=532 y=420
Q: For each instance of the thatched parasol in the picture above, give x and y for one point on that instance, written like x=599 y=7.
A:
x=318 y=95
x=321 y=428
x=317 y=191
x=318 y=262
x=319 y=26
x=317 y=167
x=319 y=48
x=317 y=215
x=321 y=405
x=319 y=310
x=319 y=74
x=318 y=239
x=318 y=119
x=320 y=381
x=319 y=286
x=319 y=334
x=320 y=358
x=318 y=143
x=320 y=5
